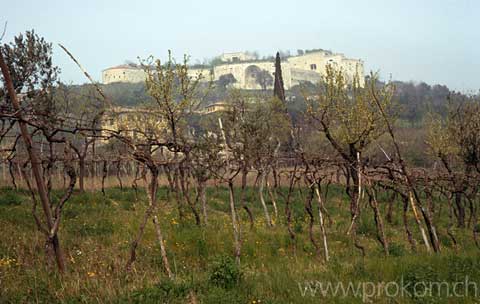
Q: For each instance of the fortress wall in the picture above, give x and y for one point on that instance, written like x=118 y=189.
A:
x=287 y=75
x=298 y=76
x=240 y=72
x=249 y=80
x=306 y=61
x=307 y=67
x=352 y=68
x=123 y=75
x=230 y=57
x=237 y=70
x=317 y=62
x=138 y=75
x=234 y=69
x=205 y=73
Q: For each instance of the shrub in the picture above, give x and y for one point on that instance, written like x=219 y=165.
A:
x=10 y=198
x=366 y=226
x=445 y=240
x=225 y=273
x=477 y=228
x=297 y=226
x=396 y=250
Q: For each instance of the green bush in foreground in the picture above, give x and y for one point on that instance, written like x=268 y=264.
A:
x=225 y=273
x=10 y=197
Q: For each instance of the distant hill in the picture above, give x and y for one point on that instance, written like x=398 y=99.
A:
x=415 y=99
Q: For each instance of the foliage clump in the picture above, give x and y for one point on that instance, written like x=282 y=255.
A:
x=10 y=198
x=225 y=273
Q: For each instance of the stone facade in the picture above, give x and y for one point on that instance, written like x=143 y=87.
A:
x=125 y=120
x=250 y=74
x=123 y=73
x=236 y=57
x=215 y=107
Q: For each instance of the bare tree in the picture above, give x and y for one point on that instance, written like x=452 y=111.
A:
x=346 y=114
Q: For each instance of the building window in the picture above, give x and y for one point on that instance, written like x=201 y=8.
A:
x=313 y=67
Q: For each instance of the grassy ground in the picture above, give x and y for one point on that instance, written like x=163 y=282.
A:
x=96 y=232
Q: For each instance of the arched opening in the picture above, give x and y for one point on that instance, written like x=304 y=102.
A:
x=257 y=78
x=251 y=76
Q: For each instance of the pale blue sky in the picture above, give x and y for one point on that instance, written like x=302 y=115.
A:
x=436 y=41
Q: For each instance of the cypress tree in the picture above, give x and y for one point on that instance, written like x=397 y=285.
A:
x=278 y=89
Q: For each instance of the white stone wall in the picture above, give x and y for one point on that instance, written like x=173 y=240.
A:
x=354 y=68
x=317 y=62
x=237 y=56
x=308 y=67
x=132 y=75
x=205 y=74
x=241 y=73
x=298 y=76
x=123 y=75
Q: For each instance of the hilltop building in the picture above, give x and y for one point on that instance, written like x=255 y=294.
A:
x=243 y=71
x=237 y=57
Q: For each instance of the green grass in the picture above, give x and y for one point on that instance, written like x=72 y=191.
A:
x=96 y=231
